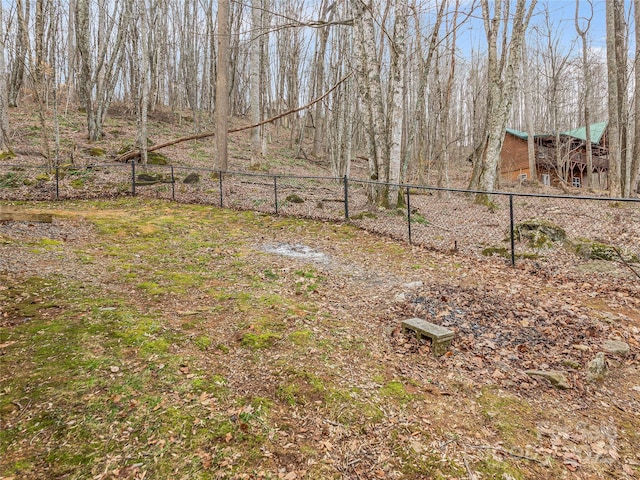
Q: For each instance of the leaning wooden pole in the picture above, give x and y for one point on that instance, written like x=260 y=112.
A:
x=135 y=153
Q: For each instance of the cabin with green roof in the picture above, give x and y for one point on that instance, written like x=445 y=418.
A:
x=560 y=158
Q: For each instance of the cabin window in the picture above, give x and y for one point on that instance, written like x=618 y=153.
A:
x=575 y=181
x=546 y=179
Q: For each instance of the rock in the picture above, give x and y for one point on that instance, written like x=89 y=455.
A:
x=616 y=347
x=191 y=178
x=147 y=177
x=597 y=368
x=293 y=198
x=539 y=233
x=601 y=251
x=156 y=158
x=400 y=298
x=582 y=348
x=413 y=285
x=557 y=379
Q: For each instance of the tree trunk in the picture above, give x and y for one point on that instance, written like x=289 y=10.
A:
x=143 y=80
x=635 y=164
x=100 y=62
x=254 y=79
x=501 y=81
x=586 y=78
x=615 y=147
x=22 y=48
x=395 y=109
x=222 y=85
x=528 y=113
x=4 y=98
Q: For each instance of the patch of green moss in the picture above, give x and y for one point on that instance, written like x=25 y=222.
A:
x=396 y=390
x=538 y=233
x=301 y=337
x=97 y=152
x=500 y=251
x=157 y=158
x=258 y=341
x=293 y=198
x=601 y=251
x=11 y=180
x=203 y=342
x=7 y=155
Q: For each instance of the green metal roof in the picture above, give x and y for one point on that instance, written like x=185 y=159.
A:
x=518 y=133
x=596 y=131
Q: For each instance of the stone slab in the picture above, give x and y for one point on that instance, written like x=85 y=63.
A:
x=440 y=336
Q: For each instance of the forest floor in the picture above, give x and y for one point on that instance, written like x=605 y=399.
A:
x=148 y=339
x=144 y=339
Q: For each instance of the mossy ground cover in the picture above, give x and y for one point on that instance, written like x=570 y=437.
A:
x=168 y=344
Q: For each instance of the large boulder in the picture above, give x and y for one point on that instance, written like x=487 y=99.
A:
x=539 y=233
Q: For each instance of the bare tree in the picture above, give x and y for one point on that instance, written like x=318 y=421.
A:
x=222 y=85
x=502 y=68
x=586 y=89
x=528 y=113
x=616 y=68
x=99 y=61
x=395 y=108
x=143 y=80
x=4 y=98
x=255 y=77
x=635 y=164
x=21 y=52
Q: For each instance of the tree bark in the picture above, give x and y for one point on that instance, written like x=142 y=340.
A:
x=395 y=109
x=143 y=81
x=586 y=78
x=254 y=79
x=501 y=74
x=100 y=62
x=635 y=163
x=528 y=113
x=615 y=147
x=22 y=48
x=4 y=98
x=222 y=86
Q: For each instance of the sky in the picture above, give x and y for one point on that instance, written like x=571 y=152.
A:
x=561 y=17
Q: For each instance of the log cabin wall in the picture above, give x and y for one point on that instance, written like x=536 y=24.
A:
x=514 y=160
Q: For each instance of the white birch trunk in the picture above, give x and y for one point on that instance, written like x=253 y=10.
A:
x=396 y=105
x=501 y=78
x=254 y=80
x=143 y=80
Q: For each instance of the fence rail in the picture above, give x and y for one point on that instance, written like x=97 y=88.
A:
x=513 y=225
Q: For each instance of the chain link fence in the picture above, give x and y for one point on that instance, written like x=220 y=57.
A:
x=510 y=225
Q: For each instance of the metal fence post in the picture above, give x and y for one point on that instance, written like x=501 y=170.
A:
x=173 y=185
x=346 y=198
x=275 y=192
x=512 y=232
x=220 y=183
x=57 y=182
x=133 y=178
x=409 y=215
